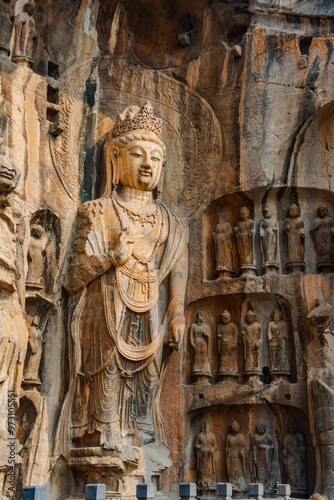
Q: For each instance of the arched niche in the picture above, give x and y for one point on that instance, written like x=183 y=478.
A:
x=43 y=253
x=312 y=161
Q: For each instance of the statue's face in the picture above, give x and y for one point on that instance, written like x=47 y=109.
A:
x=261 y=428
x=266 y=213
x=200 y=318
x=322 y=211
x=205 y=427
x=30 y=8
x=276 y=315
x=293 y=212
x=140 y=165
x=225 y=319
x=244 y=214
x=250 y=318
x=37 y=232
x=235 y=427
x=9 y=175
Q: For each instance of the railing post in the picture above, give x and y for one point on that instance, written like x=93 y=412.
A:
x=224 y=491
x=256 y=490
x=34 y=493
x=95 y=492
x=283 y=491
x=188 y=491
x=145 y=491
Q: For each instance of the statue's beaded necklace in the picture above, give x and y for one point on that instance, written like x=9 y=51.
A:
x=151 y=218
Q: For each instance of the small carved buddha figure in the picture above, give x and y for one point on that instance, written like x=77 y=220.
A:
x=245 y=233
x=322 y=234
x=199 y=341
x=294 y=450
x=263 y=449
x=223 y=246
x=236 y=452
x=278 y=337
x=227 y=335
x=24 y=35
x=252 y=337
x=295 y=240
x=34 y=352
x=36 y=256
x=269 y=241
x=205 y=446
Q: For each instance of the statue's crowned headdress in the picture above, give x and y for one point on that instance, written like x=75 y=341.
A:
x=134 y=119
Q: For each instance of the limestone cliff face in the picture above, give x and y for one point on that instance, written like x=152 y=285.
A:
x=245 y=93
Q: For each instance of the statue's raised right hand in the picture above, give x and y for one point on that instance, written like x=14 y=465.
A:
x=122 y=251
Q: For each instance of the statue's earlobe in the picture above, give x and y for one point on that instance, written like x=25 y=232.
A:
x=115 y=167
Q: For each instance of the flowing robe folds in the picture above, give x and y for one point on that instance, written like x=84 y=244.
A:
x=119 y=322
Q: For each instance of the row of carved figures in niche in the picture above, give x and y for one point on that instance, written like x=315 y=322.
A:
x=321 y=231
x=22 y=32
x=253 y=462
x=227 y=344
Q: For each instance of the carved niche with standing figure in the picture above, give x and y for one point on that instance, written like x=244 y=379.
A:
x=223 y=239
x=199 y=338
x=252 y=339
x=206 y=446
x=236 y=454
x=245 y=233
x=130 y=252
x=278 y=338
x=269 y=242
x=322 y=233
x=262 y=455
x=42 y=253
x=24 y=35
x=227 y=336
x=295 y=240
x=294 y=450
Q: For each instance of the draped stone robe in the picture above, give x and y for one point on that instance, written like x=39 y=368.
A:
x=116 y=324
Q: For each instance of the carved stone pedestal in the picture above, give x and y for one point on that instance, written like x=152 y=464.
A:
x=200 y=379
x=22 y=61
x=270 y=268
x=253 y=377
x=226 y=377
x=223 y=273
x=248 y=271
x=295 y=267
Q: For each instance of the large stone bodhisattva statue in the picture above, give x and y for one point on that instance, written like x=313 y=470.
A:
x=127 y=274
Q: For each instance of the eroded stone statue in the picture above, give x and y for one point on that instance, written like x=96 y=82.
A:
x=252 y=337
x=127 y=277
x=245 y=232
x=13 y=331
x=236 y=451
x=294 y=450
x=36 y=256
x=295 y=240
x=320 y=361
x=206 y=445
x=269 y=242
x=263 y=449
x=34 y=352
x=199 y=341
x=278 y=338
x=24 y=35
x=322 y=233
x=227 y=336
x=222 y=236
